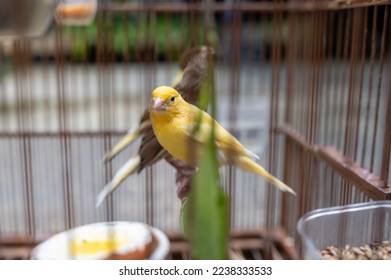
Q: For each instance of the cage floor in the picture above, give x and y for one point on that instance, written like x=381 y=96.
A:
x=254 y=244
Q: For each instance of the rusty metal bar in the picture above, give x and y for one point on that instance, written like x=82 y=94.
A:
x=361 y=81
x=289 y=111
x=354 y=53
x=235 y=64
x=352 y=172
x=329 y=76
x=51 y=134
x=337 y=79
x=368 y=182
x=379 y=85
x=370 y=83
x=23 y=90
x=385 y=161
x=249 y=7
x=66 y=176
x=343 y=113
x=276 y=54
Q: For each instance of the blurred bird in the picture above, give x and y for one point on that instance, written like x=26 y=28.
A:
x=194 y=65
x=174 y=122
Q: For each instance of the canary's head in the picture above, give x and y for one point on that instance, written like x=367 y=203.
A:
x=165 y=100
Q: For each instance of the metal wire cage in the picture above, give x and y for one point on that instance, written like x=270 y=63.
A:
x=304 y=84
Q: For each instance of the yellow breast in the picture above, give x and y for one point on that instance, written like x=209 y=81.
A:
x=173 y=137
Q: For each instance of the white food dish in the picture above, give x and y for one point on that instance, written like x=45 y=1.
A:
x=124 y=237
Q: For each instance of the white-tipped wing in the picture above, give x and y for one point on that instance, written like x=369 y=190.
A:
x=128 y=168
x=126 y=140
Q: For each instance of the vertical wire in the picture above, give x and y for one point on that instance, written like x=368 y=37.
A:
x=379 y=86
x=250 y=58
x=87 y=80
x=100 y=63
x=350 y=120
x=263 y=71
x=361 y=82
x=309 y=73
x=269 y=193
x=385 y=160
x=106 y=95
x=20 y=124
x=370 y=85
x=336 y=91
x=277 y=17
x=183 y=29
x=316 y=48
x=309 y=110
x=4 y=121
x=301 y=98
x=193 y=31
x=349 y=125
x=329 y=79
x=70 y=112
x=319 y=102
x=126 y=76
x=359 y=23
x=343 y=98
x=141 y=60
x=111 y=91
x=49 y=114
x=28 y=140
x=169 y=58
x=298 y=125
x=297 y=112
x=64 y=141
x=234 y=99
x=289 y=111
x=322 y=102
x=24 y=125
x=320 y=65
x=86 y=83
x=126 y=116
x=150 y=76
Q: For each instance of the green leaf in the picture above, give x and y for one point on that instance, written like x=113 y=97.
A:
x=205 y=213
x=206 y=210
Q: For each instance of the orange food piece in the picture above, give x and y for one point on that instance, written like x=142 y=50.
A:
x=80 y=10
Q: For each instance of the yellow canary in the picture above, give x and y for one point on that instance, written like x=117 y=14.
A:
x=173 y=122
x=194 y=65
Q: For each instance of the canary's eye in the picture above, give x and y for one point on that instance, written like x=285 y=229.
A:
x=172 y=99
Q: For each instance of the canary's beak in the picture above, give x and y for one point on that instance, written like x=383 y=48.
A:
x=158 y=104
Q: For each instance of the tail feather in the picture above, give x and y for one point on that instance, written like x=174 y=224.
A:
x=177 y=78
x=127 y=169
x=126 y=140
x=122 y=144
x=249 y=165
x=251 y=154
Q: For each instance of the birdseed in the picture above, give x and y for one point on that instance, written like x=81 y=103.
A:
x=374 y=251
